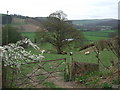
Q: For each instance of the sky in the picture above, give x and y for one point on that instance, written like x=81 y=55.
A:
x=75 y=9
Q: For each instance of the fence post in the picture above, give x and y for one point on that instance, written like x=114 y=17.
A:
x=65 y=72
x=71 y=65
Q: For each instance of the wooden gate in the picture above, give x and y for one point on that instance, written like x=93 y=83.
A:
x=33 y=74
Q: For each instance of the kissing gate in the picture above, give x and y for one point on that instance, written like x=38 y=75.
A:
x=33 y=74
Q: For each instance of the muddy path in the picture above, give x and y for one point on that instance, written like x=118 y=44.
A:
x=59 y=81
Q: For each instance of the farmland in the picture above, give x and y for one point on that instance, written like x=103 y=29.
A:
x=89 y=35
x=105 y=56
x=78 y=56
x=90 y=21
x=103 y=59
x=97 y=35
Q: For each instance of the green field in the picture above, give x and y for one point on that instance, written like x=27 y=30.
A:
x=88 y=21
x=97 y=35
x=105 y=56
x=89 y=35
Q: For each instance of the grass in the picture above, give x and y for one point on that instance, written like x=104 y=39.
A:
x=97 y=79
x=97 y=35
x=49 y=85
x=95 y=38
x=28 y=68
x=30 y=35
x=24 y=70
x=52 y=85
x=106 y=85
x=105 y=56
x=89 y=35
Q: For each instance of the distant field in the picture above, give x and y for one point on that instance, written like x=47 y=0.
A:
x=88 y=21
x=97 y=35
x=92 y=36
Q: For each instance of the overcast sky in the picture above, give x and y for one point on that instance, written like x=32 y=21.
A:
x=75 y=9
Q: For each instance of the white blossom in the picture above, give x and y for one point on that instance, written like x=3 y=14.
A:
x=15 y=54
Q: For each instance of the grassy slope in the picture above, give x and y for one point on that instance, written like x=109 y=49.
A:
x=105 y=56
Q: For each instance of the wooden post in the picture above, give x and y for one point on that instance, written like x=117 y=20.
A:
x=71 y=66
x=65 y=68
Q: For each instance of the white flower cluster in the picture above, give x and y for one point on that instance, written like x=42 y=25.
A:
x=16 y=55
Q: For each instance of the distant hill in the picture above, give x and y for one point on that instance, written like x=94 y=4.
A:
x=32 y=24
x=95 y=24
x=88 y=21
x=23 y=23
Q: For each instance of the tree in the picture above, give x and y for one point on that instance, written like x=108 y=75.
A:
x=13 y=34
x=59 y=14
x=60 y=32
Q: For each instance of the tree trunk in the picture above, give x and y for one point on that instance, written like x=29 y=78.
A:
x=59 y=50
